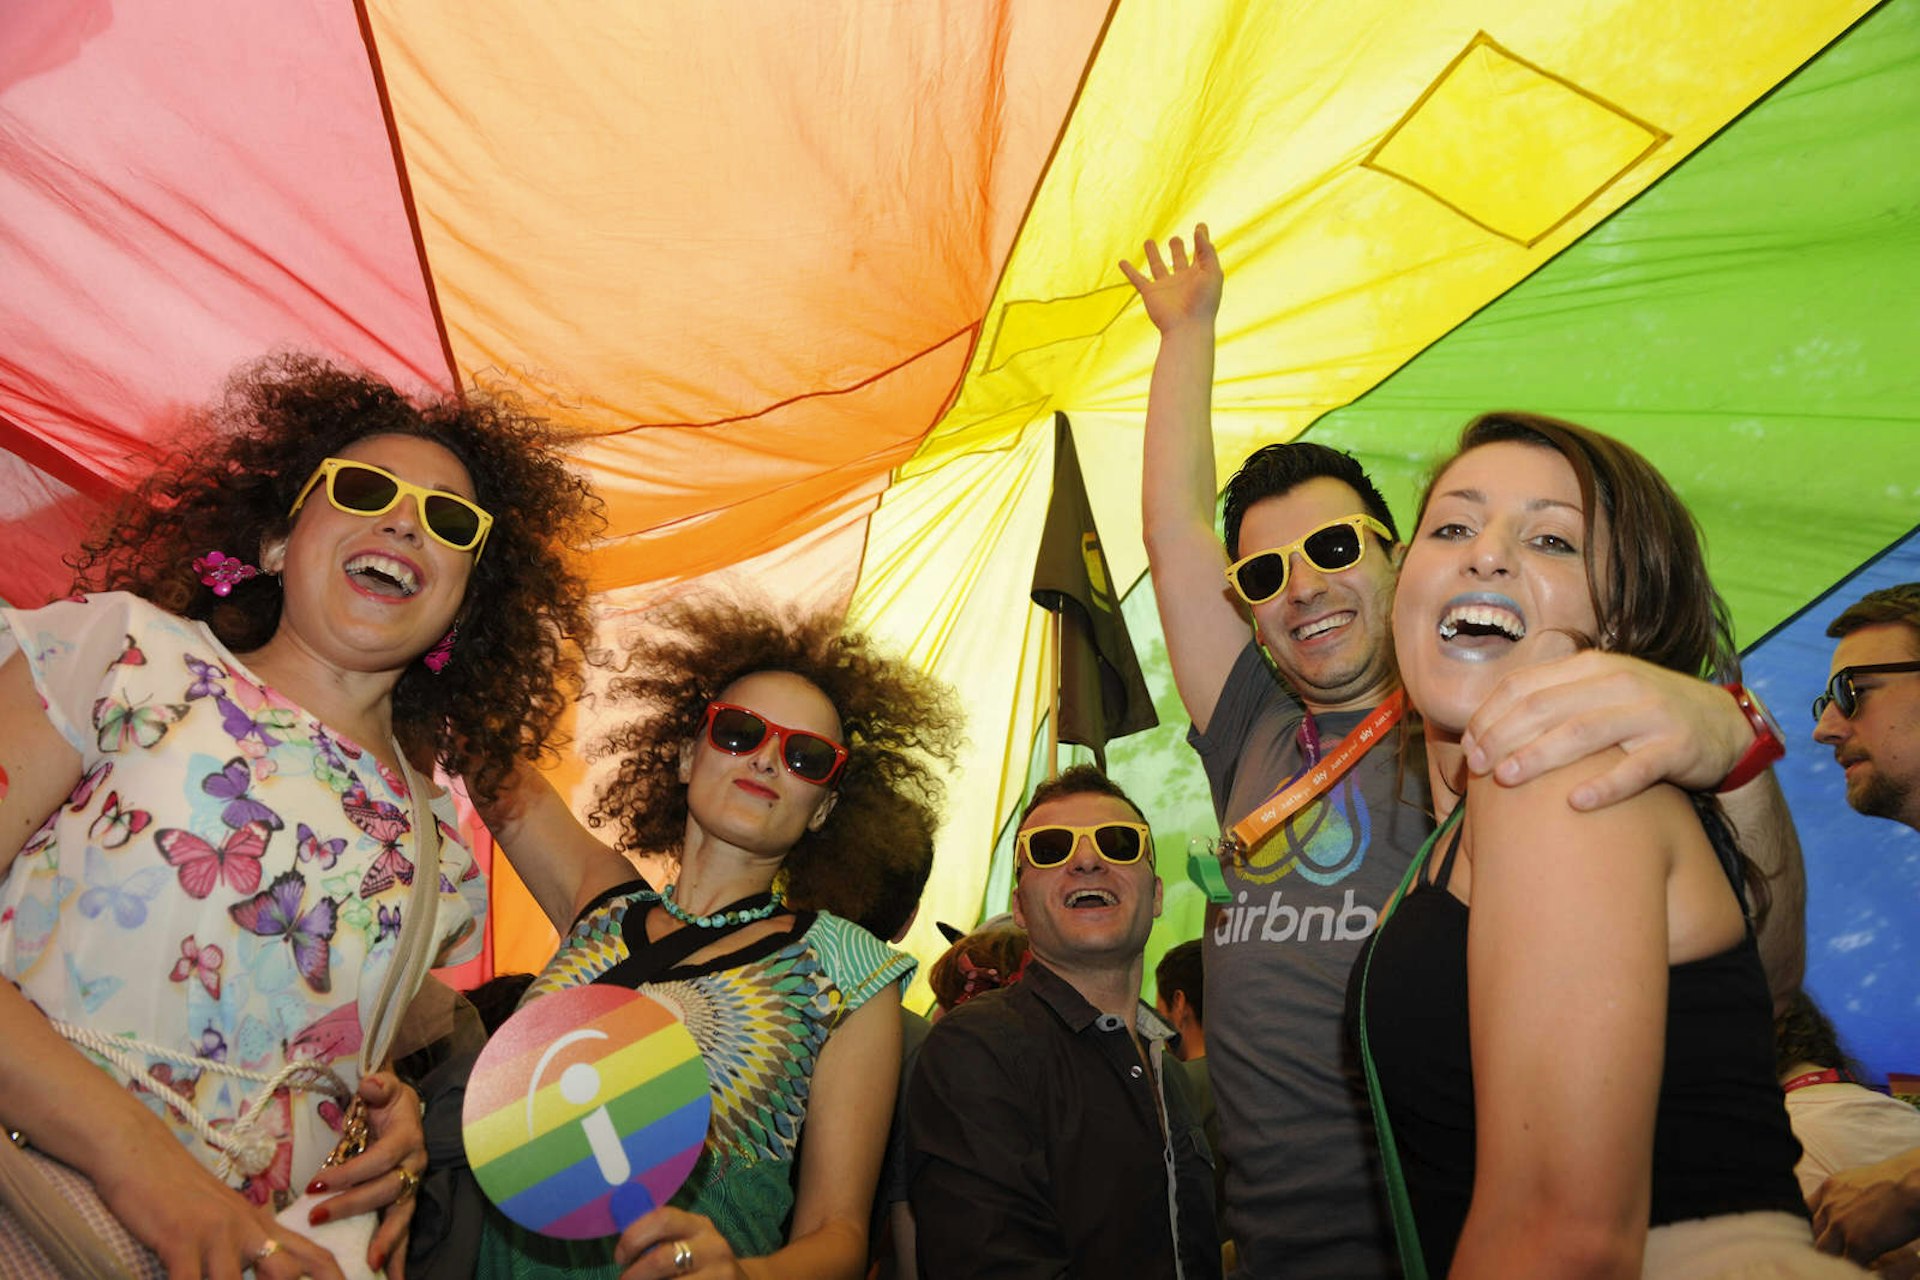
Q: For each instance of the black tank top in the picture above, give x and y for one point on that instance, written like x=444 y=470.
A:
x=1721 y=1142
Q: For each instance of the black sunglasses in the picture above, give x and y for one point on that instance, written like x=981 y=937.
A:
x=808 y=756
x=1841 y=692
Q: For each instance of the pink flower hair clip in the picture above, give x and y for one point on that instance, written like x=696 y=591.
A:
x=223 y=572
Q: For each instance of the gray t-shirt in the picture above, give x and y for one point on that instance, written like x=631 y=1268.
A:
x=1304 y=1195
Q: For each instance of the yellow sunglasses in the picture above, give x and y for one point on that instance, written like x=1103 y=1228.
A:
x=1121 y=843
x=1336 y=545
x=362 y=489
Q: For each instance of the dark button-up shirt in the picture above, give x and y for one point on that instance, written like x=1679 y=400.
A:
x=1036 y=1146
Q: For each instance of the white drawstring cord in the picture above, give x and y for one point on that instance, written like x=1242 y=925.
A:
x=245 y=1147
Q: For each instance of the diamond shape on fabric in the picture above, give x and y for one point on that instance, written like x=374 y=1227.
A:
x=1511 y=146
x=1027 y=324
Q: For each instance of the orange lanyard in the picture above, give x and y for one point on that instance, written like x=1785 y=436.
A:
x=1303 y=790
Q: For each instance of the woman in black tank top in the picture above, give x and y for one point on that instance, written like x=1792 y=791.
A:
x=1568 y=1016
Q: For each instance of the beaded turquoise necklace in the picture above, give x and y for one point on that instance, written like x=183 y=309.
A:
x=722 y=919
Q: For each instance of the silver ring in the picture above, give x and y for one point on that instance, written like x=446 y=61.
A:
x=682 y=1257
x=267 y=1250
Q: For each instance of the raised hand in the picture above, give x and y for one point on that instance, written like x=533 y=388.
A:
x=1185 y=293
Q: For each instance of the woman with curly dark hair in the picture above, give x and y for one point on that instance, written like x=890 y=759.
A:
x=772 y=764
x=210 y=842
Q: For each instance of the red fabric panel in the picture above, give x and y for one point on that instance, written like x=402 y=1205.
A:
x=184 y=186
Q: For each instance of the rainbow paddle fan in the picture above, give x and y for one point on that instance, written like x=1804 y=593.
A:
x=585 y=1111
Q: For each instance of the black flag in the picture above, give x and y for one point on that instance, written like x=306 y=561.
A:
x=1102 y=694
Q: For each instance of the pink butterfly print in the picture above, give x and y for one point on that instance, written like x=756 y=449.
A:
x=43 y=838
x=311 y=848
x=116 y=825
x=130 y=656
x=231 y=783
x=332 y=1035
x=272 y=1184
x=387 y=824
x=82 y=794
x=184 y=1083
x=199 y=962
x=206 y=678
x=202 y=867
x=275 y=912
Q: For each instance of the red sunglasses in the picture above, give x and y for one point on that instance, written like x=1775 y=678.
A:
x=808 y=756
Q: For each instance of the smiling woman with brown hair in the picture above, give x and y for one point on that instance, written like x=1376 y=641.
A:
x=1608 y=1107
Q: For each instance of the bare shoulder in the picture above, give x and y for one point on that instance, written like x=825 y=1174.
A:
x=1536 y=813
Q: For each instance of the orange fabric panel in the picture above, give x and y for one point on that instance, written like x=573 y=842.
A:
x=666 y=215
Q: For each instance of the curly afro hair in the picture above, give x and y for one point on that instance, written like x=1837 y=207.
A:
x=896 y=722
x=525 y=621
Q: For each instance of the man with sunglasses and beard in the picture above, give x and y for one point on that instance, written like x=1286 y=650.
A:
x=1045 y=1119
x=1310 y=561
x=1870 y=716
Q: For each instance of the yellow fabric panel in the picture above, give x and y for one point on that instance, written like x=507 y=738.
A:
x=749 y=244
x=938 y=589
x=1260 y=119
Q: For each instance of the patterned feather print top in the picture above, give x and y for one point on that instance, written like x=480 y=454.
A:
x=760 y=1018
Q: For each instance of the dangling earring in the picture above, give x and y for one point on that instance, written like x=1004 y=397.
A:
x=223 y=572
x=441 y=654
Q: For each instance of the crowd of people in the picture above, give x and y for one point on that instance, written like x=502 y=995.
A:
x=1510 y=986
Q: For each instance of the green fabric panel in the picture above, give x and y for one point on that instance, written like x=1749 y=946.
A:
x=1749 y=324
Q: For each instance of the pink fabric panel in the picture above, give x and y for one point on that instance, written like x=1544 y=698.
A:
x=183 y=187
x=41 y=521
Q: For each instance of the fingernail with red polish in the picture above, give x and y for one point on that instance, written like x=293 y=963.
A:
x=319 y=1215
x=379 y=1261
x=315 y=1187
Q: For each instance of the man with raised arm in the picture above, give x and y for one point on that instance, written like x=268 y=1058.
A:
x=1313 y=550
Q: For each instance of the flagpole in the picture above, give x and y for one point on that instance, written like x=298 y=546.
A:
x=1053 y=694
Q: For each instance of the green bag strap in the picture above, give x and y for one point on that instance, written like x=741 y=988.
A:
x=1406 y=1233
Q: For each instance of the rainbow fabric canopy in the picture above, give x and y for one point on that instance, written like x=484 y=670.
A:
x=813 y=279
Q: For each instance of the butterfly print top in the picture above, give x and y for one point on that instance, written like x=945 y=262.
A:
x=227 y=879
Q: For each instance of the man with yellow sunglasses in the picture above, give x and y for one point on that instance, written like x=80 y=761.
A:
x=1043 y=1118
x=1309 y=564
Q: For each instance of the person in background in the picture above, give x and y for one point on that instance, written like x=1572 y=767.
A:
x=1870 y=716
x=1180 y=997
x=992 y=956
x=1048 y=1131
x=1841 y=1124
x=891 y=1235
